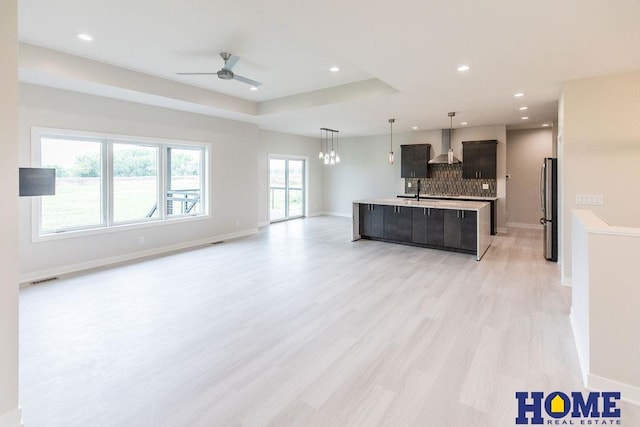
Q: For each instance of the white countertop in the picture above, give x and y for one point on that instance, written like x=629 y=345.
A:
x=426 y=203
x=444 y=196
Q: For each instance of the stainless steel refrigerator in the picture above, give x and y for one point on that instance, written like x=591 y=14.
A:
x=549 y=206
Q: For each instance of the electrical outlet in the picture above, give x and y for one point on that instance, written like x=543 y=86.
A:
x=589 y=199
x=409 y=185
x=485 y=186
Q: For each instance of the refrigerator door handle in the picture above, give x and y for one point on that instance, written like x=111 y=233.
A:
x=542 y=174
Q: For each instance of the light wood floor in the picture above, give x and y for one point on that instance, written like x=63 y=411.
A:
x=298 y=326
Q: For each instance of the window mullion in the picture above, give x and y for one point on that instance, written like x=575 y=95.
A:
x=107 y=178
x=162 y=181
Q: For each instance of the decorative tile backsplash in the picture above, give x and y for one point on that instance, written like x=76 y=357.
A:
x=447 y=180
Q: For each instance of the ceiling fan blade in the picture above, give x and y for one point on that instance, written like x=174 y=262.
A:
x=196 y=74
x=231 y=62
x=246 y=80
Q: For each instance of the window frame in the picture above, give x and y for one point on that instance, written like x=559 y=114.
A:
x=107 y=200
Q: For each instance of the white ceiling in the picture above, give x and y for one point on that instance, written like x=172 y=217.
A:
x=397 y=59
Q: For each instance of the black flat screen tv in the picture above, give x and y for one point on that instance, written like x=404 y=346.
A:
x=37 y=182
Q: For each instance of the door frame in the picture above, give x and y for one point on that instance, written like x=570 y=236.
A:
x=305 y=184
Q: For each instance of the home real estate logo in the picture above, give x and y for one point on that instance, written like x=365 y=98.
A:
x=557 y=408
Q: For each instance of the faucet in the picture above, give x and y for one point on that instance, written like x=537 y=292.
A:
x=418 y=191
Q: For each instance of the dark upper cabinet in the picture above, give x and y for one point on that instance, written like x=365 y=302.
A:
x=371 y=220
x=479 y=159
x=414 y=159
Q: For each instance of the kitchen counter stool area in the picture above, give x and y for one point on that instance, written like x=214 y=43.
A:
x=459 y=226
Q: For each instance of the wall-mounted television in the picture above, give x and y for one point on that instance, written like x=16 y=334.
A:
x=37 y=182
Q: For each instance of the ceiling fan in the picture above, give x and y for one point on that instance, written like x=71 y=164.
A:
x=226 y=73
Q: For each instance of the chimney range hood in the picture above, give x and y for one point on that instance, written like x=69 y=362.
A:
x=447 y=156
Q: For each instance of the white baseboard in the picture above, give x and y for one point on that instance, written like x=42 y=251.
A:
x=628 y=393
x=74 y=268
x=12 y=419
x=340 y=214
x=522 y=225
x=263 y=224
x=504 y=230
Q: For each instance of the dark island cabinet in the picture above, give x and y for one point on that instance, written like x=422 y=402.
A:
x=450 y=229
x=414 y=160
x=460 y=229
x=469 y=227
x=398 y=223
x=479 y=159
x=372 y=220
x=420 y=231
x=428 y=226
x=435 y=227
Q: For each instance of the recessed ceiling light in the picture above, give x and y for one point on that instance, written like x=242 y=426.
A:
x=519 y=94
x=524 y=118
x=334 y=69
x=415 y=128
x=463 y=68
x=524 y=108
x=85 y=37
x=464 y=123
x=545 y=125
x=253 y=88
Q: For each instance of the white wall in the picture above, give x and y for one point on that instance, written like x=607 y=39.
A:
x=600 y=151
x=234 y=178
x=365 y=171
x=289 y=145
x=526 y=150
x=604 y=312
x=9 y=411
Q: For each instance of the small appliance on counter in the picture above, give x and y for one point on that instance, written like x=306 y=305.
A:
x=549 y=206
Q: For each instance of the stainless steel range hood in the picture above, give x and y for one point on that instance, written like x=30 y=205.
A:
x=445 y=158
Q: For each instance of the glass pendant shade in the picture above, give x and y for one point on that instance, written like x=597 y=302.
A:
x=391 y=157
x=329 y=149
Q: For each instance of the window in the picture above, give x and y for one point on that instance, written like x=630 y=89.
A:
x=135 y=182
x=106 y=181
x=78 y=202
x=184 y=185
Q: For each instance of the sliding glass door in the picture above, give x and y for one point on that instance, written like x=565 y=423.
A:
x=286 y=188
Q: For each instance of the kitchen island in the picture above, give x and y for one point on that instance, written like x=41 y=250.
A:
x=460 y=226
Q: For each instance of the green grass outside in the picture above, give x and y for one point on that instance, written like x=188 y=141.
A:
x=77 y=201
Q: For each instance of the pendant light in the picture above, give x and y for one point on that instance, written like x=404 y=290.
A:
x=329 y=156
x=391 y=121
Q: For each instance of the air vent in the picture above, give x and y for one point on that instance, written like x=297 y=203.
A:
x=49 y=279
